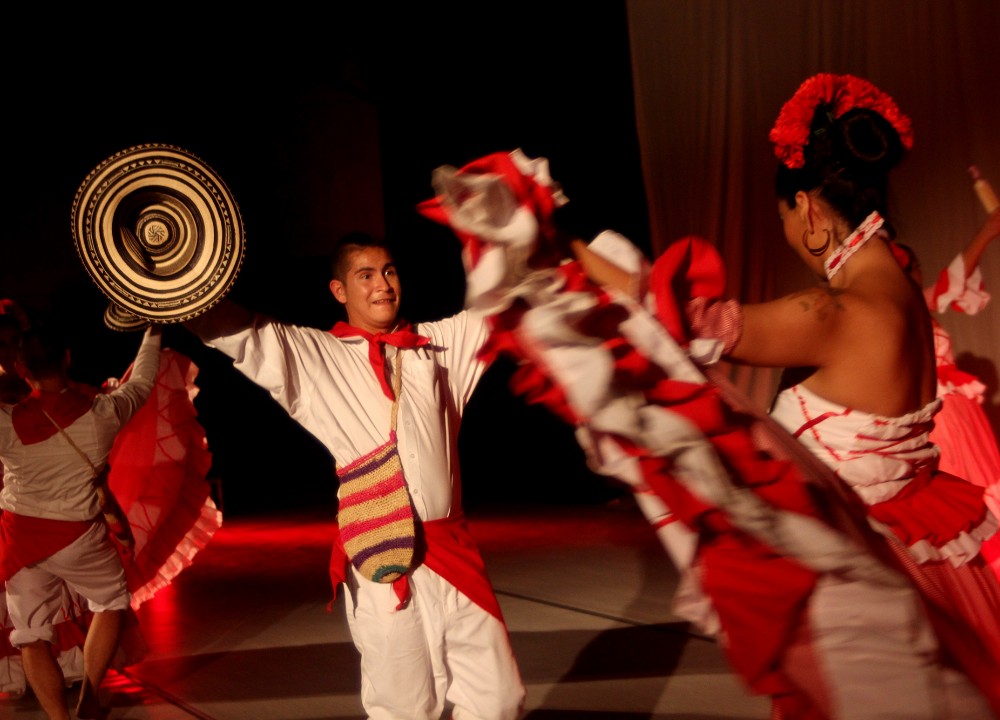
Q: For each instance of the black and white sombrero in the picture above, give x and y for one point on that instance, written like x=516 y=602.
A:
x=159 y=233
x=118 y=319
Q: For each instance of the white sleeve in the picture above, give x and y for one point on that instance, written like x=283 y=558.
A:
x=277 y=357
x=461 y=337
x=129 y=396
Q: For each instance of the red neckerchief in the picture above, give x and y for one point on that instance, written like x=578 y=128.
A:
x=402 y=336
x=64 y=407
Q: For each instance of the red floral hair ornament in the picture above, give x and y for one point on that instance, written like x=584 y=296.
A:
x=790 y=133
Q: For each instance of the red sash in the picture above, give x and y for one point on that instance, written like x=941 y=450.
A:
x=451 y=552
x=26 y=540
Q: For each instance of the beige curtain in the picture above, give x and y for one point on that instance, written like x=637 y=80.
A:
x=710 y=77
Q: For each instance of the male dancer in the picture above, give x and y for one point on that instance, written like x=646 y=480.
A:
x=53 y=444
x=434 y=639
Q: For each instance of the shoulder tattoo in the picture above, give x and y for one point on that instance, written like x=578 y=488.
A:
x=823 y=301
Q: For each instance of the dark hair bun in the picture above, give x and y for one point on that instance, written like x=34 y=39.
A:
x=866 y=142
x=848 y=160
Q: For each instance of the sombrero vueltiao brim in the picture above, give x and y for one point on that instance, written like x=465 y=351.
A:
x=122 y=320
x=159 y=233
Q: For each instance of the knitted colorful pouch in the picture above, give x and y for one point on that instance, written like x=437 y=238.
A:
x=375 y=515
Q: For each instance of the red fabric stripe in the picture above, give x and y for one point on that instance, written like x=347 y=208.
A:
x=378 y=490
x=816 y=421
x=352 y=529
x=27 y=540
x=663 y=522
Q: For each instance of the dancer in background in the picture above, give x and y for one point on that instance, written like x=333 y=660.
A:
x=54 y=445
x=70 y=632
x=961 y=429
x=159 y=465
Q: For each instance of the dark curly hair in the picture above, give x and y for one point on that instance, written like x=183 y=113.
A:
x=848 y=160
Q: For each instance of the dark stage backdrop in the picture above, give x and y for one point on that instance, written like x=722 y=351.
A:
x=323 y=123
x=652 y=113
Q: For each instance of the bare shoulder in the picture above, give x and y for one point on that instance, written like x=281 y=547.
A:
x=888 y=304
x=800 y=329
x=867 y=324
x=824 y=302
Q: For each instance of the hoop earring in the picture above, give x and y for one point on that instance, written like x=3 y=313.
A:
x=816 y=251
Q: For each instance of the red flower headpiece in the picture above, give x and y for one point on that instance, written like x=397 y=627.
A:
x=842 y=92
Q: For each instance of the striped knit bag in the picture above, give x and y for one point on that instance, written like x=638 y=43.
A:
x=375 y=515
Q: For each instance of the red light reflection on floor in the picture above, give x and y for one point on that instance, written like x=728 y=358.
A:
x=562 y=527
x=266 y=542
x=291 y=552
x=244 y=557
x=125 y=692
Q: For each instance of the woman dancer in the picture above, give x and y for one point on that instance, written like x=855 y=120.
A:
x=864 y=337
x=775 y=561
x=961 y=429
x=863 y=342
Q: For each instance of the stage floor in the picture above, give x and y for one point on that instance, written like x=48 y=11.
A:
x=245 y=632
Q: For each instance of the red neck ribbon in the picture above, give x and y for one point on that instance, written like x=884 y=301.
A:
x=402 y=336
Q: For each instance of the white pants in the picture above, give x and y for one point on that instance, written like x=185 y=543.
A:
x=441 y=650
x=89 y=565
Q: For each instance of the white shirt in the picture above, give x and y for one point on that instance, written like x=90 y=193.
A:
x=49 y=479
x=327 y=384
